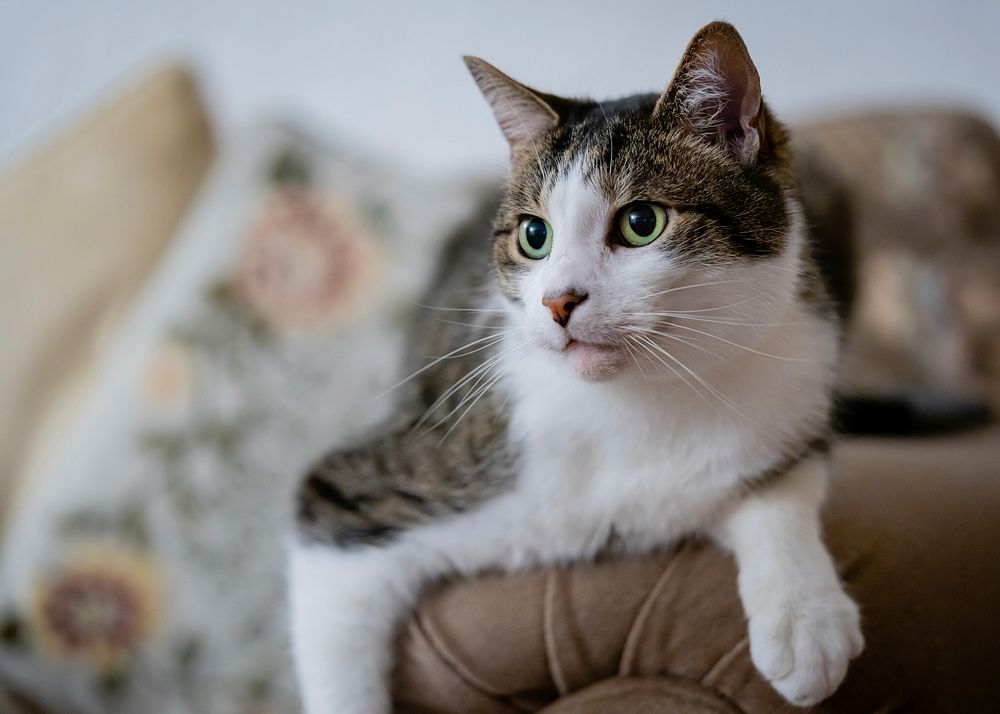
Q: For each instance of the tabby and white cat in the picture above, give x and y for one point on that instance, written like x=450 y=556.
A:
x=654 y=357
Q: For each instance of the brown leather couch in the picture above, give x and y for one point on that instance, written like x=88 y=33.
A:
x=914 y=526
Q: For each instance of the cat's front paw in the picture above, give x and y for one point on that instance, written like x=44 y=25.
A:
x=803 y=644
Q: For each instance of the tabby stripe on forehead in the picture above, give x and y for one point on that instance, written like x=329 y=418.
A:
x=564 y=147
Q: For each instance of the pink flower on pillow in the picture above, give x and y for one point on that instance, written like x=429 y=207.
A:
x=305 y=263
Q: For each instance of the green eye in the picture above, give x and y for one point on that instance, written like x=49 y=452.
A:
x=534 y=236
x=642 y=223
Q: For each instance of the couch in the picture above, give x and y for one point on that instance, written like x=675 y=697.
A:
x=912 y=522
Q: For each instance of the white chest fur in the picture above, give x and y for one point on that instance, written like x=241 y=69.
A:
x=651 y=461
x=646 y=461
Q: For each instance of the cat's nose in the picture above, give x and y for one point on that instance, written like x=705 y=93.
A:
x=561 y=306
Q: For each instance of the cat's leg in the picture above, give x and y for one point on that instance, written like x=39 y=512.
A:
x=358 y=563
x=353 y=577
x=345 y=607
x=804 y=629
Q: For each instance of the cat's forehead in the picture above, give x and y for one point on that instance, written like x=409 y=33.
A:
x=612 y=154
x=576 y=204
x=586 y=143
x=618 y=149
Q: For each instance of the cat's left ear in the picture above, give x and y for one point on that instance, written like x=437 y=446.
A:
x=715 y=92
x=523 y=114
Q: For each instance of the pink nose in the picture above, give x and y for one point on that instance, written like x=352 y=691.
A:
x=562 y=306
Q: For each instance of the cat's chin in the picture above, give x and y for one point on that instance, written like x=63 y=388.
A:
x=595 y=362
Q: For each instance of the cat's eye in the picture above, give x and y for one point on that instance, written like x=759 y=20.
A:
x=534 y=236
x=642 y=223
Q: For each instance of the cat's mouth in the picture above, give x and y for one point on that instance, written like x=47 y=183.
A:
x=595 y=361
x=574 y=343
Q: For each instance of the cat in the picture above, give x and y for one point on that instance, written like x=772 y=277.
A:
x=644 y=349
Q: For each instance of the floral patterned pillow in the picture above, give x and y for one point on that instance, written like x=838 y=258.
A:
x=144 y=572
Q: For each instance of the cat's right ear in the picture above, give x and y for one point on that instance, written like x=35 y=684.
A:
x=715 y=92
x=523 y=114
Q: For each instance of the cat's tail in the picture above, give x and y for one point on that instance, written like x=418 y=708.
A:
x=906 y=414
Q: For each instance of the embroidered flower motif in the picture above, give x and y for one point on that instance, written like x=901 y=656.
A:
x=169 y=379
x=305 y=263
x=101 y=606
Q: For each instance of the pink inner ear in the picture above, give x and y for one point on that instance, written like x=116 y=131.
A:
x=742 y=90
x=719 y=95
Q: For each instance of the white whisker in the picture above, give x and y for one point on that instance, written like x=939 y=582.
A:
x=469 y=324
x=689 y=343
x=479 y=395
x=459 y=309
x=482 y=391
x=714 y=320
x=715 y=309
x=458 y=352
x=630 y=348
x=476 y=373
x=718 y=395
x=647 y=343
x=695 y=285
x=479 y=374
x=735 y=344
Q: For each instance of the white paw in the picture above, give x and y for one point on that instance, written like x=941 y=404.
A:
x=803 y=644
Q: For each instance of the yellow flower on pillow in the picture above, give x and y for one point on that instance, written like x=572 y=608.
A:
x=169 y=377
x=100 y=606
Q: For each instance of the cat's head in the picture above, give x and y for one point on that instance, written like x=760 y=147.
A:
x=656 y=228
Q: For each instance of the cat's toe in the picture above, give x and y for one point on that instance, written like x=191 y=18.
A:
x=804 y=648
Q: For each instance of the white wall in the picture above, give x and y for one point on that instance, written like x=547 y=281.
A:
x=388 y=75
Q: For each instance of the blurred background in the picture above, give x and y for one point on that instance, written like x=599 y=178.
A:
x=218 y=218
x=389 y=75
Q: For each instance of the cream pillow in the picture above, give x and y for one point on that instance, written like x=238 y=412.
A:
x=81 y=224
